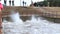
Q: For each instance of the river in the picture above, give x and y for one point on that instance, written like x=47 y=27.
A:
x=30 y=25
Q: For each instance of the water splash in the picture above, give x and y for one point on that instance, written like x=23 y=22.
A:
x=15 y=17
x=33 y=19
x=5 y=21
x=35 y=26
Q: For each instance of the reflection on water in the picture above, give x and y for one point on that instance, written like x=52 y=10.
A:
x=30 y=25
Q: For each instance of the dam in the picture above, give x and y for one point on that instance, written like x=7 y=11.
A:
x=52 y=12
x=30 y=20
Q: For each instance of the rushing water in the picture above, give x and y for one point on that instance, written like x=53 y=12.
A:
x=32 y=26
x=15 y=17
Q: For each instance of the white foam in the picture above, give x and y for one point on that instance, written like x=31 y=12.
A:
x=33 y=26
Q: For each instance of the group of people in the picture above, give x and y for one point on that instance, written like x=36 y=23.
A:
x=24 y=3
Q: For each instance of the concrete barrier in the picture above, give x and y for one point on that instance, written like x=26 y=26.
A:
x=51 y=12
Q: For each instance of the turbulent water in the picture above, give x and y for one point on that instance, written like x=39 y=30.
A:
x=33 y=26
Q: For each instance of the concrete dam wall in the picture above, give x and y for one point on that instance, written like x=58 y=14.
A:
x=51 y=12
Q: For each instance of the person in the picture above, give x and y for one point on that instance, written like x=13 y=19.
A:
x=1 y=7
x=23 y=3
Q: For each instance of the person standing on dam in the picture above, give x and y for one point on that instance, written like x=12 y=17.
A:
x=1 y=7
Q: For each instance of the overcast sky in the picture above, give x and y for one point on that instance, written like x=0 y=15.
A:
x=28 y=2
x=19 y=2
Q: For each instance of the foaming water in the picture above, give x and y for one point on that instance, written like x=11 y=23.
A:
x=15 y=17
x=33 y=26
x=33 y=19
